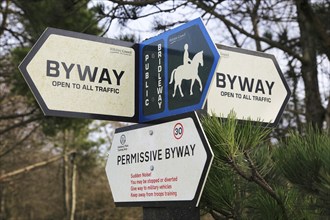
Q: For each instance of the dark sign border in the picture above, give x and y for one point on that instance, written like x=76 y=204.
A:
x=269 y=56
x=202 y=180
x=48 y=112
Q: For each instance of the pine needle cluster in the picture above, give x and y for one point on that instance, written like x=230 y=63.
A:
x=253 y=178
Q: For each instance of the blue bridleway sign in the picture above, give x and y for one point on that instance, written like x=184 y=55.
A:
x=176 y=69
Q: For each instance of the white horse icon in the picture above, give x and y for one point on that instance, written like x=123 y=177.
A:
x=187 y=71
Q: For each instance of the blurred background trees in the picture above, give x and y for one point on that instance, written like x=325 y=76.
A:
x=295 y=31
x=74 y=183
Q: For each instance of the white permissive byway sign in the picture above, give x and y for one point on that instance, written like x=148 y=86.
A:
x=159 y=165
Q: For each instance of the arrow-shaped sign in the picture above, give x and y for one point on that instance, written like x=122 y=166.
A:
x=249 y=83
x=176 y=69
x=79 y=75
x=159 y=165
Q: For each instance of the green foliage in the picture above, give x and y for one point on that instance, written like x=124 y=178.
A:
x=68 y=15
x=231 y=139
x=53 y=125
x=262 y=206
x=251 y=178
x=305 y=161
x=303 y=158
x=19 y=85
x=240 y=154
x=220 y=190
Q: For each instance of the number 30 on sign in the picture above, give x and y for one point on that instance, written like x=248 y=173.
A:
x=178 y=130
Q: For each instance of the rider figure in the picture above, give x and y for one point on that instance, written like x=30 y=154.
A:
x=186 y=59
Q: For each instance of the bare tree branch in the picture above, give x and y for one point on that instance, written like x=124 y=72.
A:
x=32 y=167
x=247 y=33
x=20 y=124
x=9 y=149
x=4 y=18
x=13 y=116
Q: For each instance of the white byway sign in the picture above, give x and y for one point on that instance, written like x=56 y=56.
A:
x=249 y=83
x=159 y=165
x=79 y=75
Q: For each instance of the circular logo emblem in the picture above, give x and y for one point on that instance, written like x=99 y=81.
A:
x=178 y=131
x=122 y=139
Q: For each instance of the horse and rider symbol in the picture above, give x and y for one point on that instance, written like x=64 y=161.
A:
x=187 y=71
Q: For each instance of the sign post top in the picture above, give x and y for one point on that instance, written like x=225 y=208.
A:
x=176 y=69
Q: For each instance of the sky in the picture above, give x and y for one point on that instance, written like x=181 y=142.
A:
x=142 y=28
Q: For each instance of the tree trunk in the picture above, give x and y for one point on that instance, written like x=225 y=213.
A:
x=315 y=112
x=327 y=117
x=66 y=193
x=255 y=19
x=2 y=202
x=73 y=187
